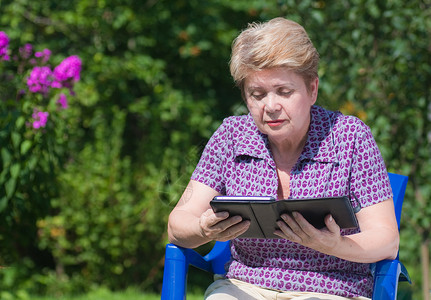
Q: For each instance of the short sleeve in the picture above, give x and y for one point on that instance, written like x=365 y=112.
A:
x=209 y=169
x=369 y=178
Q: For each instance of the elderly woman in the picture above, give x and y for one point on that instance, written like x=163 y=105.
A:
x=289 y=148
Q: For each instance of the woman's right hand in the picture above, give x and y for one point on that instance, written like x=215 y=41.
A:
x=193 y=223
x=220 y=227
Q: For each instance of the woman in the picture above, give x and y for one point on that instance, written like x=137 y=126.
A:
x=287 y=147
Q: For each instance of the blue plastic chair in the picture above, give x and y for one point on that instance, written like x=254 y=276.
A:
x=178 y=259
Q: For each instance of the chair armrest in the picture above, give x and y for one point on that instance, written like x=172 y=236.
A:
x=387 y=274
x=177 y=261
x=213 y=262
x=174 y=273
x=196 y=260
x=404 y=275
x=218 y=256
x=386 y=266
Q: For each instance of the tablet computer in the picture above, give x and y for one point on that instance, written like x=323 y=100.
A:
x=264 y=212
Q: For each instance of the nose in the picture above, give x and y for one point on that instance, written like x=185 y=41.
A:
x=272 y=104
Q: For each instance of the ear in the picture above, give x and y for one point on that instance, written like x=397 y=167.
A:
x=314 y=87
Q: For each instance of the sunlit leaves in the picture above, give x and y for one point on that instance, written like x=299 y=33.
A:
x=155 y=86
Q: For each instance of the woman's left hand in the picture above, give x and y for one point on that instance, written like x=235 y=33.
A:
x=297 y=229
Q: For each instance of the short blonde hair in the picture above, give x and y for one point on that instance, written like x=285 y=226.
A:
x=276 y=43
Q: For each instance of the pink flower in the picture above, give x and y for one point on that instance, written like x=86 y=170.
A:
x=45 y=54
x=40 y=80
x=68 y=69
x=26 y=51
x=40 y=119
x=4 y=43
x=62 y=100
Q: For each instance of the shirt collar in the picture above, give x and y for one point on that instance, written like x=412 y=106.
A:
x=320 y=145
x=252 y=142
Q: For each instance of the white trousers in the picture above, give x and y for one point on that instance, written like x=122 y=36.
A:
x=232 y=289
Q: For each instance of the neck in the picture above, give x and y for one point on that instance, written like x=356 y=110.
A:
x=287 y=152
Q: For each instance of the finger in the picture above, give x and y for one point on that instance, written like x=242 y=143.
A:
x=303 y=223
x=331 y=224
x=221 y=226
x=225 y=224
x=222 y=215
x=234 y=231
x=280 y=234
x=240 y=228
x=211 y=218
x=291 y=222
x=287 y=232
x=209 y=222
x=219 y=215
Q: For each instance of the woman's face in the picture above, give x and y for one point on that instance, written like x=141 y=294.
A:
x=280 y=103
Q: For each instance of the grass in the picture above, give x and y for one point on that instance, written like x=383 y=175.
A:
x=198 y=281
x=105 y=294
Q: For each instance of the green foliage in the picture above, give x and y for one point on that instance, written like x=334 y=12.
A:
x=105 y=294
x=155 y=85
x=99 y=222
x=31 y=155
x=376 y=59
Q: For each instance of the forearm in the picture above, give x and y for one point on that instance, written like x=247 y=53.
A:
x=367 y=247
x=184 y=230
x=378 y=239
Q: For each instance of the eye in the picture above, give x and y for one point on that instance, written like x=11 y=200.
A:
x=285 y=92
x=257 y=95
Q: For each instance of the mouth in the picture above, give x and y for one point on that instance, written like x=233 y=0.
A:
x=274 y=123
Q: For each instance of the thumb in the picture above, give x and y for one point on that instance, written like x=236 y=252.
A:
x=331 y=224
x=208 y=212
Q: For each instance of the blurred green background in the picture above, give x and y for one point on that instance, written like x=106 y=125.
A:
x=87 y=206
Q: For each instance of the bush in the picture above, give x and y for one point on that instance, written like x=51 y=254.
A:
x=99 y=224
x=87 y=197
x=34 y=139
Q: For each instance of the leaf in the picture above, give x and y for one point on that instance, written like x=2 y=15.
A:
x=6 y=156
x=32 y=163
x=25 y=146
x=20 y=122
x=3 y=174
x=3 y=203
x=14 y=170
x=10 y=187
x=16 y=139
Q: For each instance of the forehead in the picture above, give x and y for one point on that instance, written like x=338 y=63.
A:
x=273 y=78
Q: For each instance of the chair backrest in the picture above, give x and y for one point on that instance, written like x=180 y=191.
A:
x=398 y=184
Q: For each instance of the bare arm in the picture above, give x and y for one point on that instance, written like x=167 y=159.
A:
x=193 y=223
x=378 y=239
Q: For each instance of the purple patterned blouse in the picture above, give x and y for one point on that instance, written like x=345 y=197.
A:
x=340 y=157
